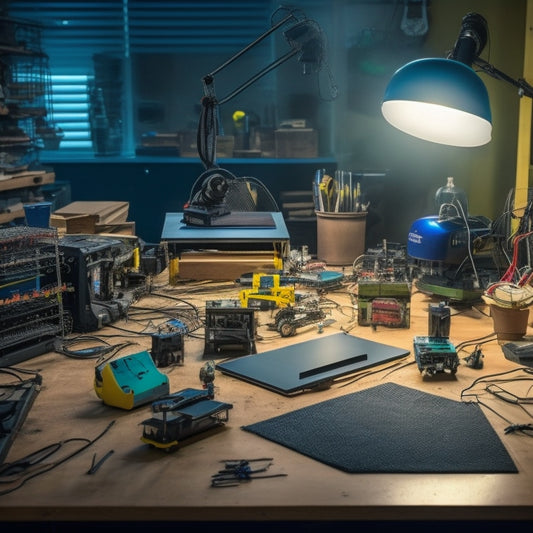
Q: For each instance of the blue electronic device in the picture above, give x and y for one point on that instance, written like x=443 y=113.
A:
x=433 y=238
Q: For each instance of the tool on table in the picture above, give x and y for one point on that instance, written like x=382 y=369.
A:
x=328 y=190
x=236 y=471
x=95 y=465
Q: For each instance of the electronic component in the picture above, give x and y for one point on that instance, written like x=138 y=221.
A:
x=168 y=344
x=207 y=377
x=384 y=304
x=519 y=352
x=475 y=359
x=451 y=254
x=268 y=292
x=31 y=302
x=287 y=320
x=228 y=326
x=387 y=262
x=208 y=198
x=435 y=355
x=181 y=415
x=439 y=320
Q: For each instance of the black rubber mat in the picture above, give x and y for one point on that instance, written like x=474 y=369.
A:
x=392 y=429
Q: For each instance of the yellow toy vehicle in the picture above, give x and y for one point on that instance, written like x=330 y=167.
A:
x=267 y=292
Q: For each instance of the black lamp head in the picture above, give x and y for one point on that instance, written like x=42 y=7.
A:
x=306 y=37
x=471 y=40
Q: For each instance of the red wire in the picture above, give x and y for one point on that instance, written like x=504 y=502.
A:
x=508 y=276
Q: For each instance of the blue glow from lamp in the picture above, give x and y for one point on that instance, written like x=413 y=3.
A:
x=443 y=100
x=439 y=100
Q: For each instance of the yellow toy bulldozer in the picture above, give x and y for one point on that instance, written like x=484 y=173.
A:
x=267 y=292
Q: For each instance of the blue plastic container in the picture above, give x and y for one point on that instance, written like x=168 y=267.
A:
x=38 y=214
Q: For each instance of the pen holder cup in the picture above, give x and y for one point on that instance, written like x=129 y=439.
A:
x=340 y=237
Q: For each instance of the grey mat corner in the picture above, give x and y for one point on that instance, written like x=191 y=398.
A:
x=392 y=429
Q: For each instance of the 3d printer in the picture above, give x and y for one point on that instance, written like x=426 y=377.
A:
x=229 y=328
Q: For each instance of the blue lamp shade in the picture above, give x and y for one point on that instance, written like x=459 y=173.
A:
x=439 y=100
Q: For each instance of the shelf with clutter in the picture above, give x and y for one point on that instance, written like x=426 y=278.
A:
x=26 y=116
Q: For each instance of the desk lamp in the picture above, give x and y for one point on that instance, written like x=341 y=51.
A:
x=442 y=100
x=207 y=199
x=445 y=102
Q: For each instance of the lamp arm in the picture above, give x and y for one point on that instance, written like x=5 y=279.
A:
x=524 y=88
x=209 y=77
x=304 y=38
x=260 y=74
x=208 y=125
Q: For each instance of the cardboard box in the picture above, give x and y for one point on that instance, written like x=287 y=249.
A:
x=105 y=212
x=121 y=228
x=222 y=265
x=93 y=217
x=296 y=142
x=74 y=224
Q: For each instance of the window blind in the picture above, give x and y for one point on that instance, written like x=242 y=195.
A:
x=74 y=32
x=71 y=110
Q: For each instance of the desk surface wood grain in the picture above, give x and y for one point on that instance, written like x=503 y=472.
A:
x=137 y=482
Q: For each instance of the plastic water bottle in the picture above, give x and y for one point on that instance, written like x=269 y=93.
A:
x=451 y=200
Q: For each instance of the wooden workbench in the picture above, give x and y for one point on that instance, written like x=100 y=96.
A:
x=139 y=483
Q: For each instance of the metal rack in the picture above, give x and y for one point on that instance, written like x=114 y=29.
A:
x=26 y=116
x=24 y=92
x=31 y=303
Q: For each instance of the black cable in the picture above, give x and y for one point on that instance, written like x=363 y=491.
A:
x=118 y=347
x=483 y=378
x=145 y=333
x=185 y=317
x=506 y=395
x=525 y=429
x=63 y=347
x=36 y=457
x=12 y=371
x=160 y=295
x=206 y=137
x=397 y=364
x=480 y=340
